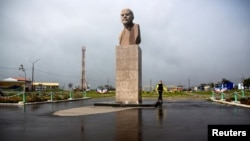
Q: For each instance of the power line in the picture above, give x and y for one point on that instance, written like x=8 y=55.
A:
x=55 y=73
x=8 y=68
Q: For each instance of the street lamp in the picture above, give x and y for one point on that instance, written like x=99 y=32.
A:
x=24 y=90
x=32 y=79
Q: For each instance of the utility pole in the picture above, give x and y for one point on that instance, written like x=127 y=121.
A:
x=24 y=90
x=33 y=68
x=108 y=82
x=189 y=83
x=150 y=82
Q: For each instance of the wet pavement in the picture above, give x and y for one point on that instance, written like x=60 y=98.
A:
x=176 y=120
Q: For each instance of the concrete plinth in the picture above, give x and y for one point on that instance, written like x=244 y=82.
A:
x=128 y=74
x=115 y=104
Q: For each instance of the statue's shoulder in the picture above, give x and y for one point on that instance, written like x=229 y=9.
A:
x=136 y=26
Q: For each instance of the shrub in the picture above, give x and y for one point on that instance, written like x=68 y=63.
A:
x=13 y=99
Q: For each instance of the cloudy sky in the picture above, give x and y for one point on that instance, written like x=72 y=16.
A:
x=196 y=41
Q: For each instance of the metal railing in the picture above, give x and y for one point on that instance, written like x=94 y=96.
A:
x=235 y=95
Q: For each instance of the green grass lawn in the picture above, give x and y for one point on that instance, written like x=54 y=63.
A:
x=63 y=95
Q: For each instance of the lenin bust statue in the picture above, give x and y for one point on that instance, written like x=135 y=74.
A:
x=130 y=35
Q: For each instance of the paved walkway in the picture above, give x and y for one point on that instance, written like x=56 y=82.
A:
x=176 y=120
x=89 y=110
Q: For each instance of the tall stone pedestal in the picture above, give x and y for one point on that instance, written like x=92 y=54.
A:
x=128 y=74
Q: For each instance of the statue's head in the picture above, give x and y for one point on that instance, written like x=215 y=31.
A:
x=127 y=17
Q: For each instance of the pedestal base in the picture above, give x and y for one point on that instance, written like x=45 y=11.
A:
x=128 y=74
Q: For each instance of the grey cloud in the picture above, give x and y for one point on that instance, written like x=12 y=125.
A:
x=202 y=41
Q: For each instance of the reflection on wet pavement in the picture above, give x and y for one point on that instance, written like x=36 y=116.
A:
x=175 y=120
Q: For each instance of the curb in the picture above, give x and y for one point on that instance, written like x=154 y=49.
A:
x=43 y=102
x=230 y=103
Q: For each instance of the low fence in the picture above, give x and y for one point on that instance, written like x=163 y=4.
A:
x=223 y=96
x=39 y=97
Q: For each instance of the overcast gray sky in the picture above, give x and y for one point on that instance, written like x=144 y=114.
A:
x=198 y=40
